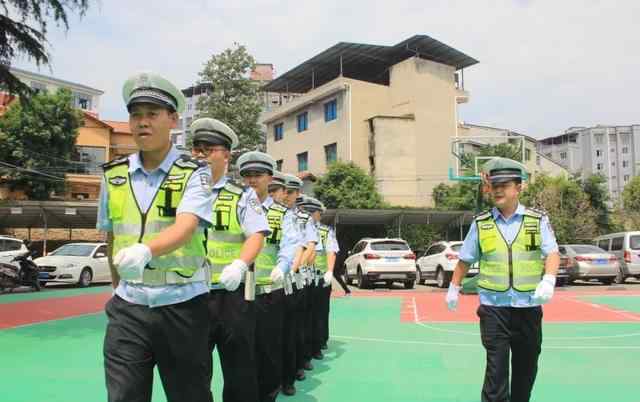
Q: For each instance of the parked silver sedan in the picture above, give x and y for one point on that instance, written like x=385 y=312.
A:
x=589 y=262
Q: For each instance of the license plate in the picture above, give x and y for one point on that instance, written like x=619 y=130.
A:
x=43 y=275
x=392 y=258
x=392 y=276
x=601 y=261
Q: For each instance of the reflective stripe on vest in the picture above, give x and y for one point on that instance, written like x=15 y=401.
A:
x=268 y=257
x=502 y=266
x=131 y=225
x=321 y=255
x=225 y=239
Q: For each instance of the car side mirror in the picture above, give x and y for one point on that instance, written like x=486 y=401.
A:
x=100 y=255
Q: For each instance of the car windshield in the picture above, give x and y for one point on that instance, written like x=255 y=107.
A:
x=389 y=246
x=586 y=249
x=74 y=250
x=456 y=247
x=634 y=242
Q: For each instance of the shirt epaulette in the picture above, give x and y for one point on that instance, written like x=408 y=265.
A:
x=483 y=215
x=115 y=162
x=234 y=187
x=278 y=207
x=303 y=215
x=535 y=212
x=187 y=162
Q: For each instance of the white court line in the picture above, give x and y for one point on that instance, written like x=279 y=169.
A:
x=478 y=345
x=602 y=307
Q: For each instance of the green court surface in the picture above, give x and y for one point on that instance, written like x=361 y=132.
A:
x=51 y=294
x=372 y=356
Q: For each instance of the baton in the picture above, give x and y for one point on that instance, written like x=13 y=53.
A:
x=250 y=283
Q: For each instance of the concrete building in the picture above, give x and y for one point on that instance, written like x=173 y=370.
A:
x=84 y=97
x=536 y=162
x=611 y=151
x=390 y=109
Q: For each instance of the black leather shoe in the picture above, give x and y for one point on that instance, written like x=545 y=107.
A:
x=324 y=347
x=318 y=356
x=300 y=376
x=308 y=366
x=289 y=390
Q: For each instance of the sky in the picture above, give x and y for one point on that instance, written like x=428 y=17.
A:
x=544 y=65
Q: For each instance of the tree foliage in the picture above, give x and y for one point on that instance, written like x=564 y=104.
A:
x=34 y=136
x=345 y=185
x=23 y=32
x=596 y=188
x=234 y=96
x=626 y=215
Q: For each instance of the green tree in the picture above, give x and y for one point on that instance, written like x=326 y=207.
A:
x=596 y=188
x=626 y=215
x=234 y=96
x=23 y=32
x=345 y=185
x=34 y=136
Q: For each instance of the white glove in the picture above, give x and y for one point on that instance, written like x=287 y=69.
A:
x=277 y=276
x=452 y=296
x=328 y=276
x=130 y=261
x=544 y=290
x=232 y=275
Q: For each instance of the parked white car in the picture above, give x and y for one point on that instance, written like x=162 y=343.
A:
x=81 y=263
x=439 y=261
x=11 y=247
x=381 y=260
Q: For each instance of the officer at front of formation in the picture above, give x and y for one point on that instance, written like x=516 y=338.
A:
x=234 y=241
x=509 y=241
x=155 y=205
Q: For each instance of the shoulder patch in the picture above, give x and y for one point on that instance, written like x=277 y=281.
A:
x=186 y=162
x=536 y=213
x=483 y=215
x=234 y=187
x=115 y=162
x=118 y=180
x=279 y=207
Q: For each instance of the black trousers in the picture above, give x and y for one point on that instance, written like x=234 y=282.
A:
x=301 y=326
x=233 y=325
x=172 y=337
x=509 y=331
x=309 y=320
x=340 y=279
x=269 y=316
x=289 y=339
x=321 y=304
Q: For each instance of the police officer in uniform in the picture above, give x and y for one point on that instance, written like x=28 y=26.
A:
x=234 y=241
x=509 y=241
x=258 y=170
x=155 y=206
x=323 y=264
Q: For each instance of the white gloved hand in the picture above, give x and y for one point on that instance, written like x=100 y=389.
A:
x=130 y=261
x=544 y=290
x=328 y=276
x=232 y=275
x=452 y=296
x=277 y=276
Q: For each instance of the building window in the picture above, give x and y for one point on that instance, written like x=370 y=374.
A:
x=303 y=121
x=527 y=154
x=598 y=153
x=626 y=178
x=82 y=101
x=563 y=155
x=303 y=162
x=91 y=157
x=613 y=150
x=279 y=163
x=278 y=131
x=625 y=150
x=331 y=110
x=613 y=164
x=538 y=160
x=599 y=138
x=625 y=164
x=331 y=153
x=625 y=139
x=599 y=166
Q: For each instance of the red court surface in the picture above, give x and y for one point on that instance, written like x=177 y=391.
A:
x=35 y=311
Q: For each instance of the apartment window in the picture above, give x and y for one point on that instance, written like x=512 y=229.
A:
x=527 y=154
x=278 y=131
x=563 y=155
x=331 y=153
x=613 y=164
x=614 y=178
x=303 y=162
x=331 y=110
x=279 y=163
x=598 y=152
x=599 y=138
x=626 y=178
x=625 y=150
x=625 y=139
x=538 y=160
x=599 y=166
x=613 y=150
x=625 y=164
x=303 y=121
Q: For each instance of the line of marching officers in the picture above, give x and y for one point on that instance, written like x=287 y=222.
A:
x=201 y=262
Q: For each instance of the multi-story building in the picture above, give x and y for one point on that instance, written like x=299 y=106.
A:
x=611 y=151
x=536 y=162
x=392 y=110
x=84 y=97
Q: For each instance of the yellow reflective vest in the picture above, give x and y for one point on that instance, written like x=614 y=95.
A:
x=321 y=255
x=518 y=265
x=225 y=239
x=131 y=225
x=268 y=257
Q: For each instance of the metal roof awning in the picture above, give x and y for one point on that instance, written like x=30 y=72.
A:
x=365 y=62
x=49 y=214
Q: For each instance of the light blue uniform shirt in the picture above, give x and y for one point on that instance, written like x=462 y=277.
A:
x=196 y=200
x=250 y=213
x=290 y=240
x=470 y=253
x=308 y=229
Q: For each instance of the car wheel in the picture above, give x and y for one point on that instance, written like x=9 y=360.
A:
x=419 y=279
x=389 y=284
x=409 y=284
x=43 y=284
x=362 y=281
x=85 y=278
x=619 y=279
x=347 y=279
x=441 y=278
x=608 y=281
